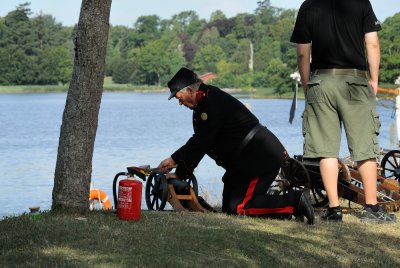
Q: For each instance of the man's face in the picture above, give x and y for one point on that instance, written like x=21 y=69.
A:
x=186 y=97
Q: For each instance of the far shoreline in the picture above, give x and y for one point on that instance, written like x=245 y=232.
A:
x=255 y=93
x=262 y=93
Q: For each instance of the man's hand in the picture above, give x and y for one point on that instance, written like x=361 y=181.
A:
x=374 y=86
x=166 y=165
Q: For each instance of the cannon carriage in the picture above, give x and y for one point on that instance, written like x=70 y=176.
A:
x=298 y=173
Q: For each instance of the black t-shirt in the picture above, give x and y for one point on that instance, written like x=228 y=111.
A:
x=336 y=30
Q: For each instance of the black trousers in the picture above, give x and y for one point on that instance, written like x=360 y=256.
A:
x=248 y=196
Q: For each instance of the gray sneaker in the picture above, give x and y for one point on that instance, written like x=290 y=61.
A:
x=380 y=216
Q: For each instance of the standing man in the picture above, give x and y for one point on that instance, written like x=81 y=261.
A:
x=338 y=90
x=229 y=133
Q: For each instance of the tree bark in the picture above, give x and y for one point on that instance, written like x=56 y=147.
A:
x=251 y=57
x=80 y=119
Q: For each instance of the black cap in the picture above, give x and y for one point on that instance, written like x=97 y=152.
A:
x=183 y=78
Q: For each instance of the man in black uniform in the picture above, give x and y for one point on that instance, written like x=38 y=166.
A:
x=339 y=91
x=229 y=133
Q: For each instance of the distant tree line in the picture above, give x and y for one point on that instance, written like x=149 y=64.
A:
x=246 y=51
x=34 y=50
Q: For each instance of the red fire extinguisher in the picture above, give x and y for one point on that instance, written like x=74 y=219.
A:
x=129 y=200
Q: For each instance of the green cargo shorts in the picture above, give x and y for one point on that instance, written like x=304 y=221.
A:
x=336 y=101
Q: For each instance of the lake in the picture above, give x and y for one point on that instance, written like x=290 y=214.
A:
x=134 y=129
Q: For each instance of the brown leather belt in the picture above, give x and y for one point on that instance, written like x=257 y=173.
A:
x=350 y=72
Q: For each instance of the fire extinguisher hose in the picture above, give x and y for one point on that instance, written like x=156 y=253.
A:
x=115 y=187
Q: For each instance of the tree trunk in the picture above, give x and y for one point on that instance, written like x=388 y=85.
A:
x=251 y=57
x=80 y=119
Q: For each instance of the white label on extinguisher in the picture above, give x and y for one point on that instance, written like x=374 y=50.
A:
x=124 y=196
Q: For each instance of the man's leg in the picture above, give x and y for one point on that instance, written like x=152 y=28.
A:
x=372 y=213
x=248 y=196
x=329 y=168
x=368 y=173
x=257 y=203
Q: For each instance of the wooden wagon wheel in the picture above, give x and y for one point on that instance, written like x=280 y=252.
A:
x=293 y=176
x=156 y=191
x=390 y=165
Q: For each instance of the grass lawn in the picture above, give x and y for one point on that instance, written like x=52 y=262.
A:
x=172 y=239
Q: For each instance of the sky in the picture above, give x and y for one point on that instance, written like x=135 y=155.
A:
x=126 y=12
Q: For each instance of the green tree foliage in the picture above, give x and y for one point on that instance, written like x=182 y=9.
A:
x=277 y=70
x=206 y=58
x=120 y=40
x=33 y=51
x=122 y=70
x=267 y=13
x=241 y=56
x=147 y=29
x=390 y=49
x=209 y=37
x=47 y=32
x=226 y=74
x=217 y=15
x=244 y=26
x=187 y=22
x=155 y=62
x=36 y=49
x=18 y=45
x=188 y=48
x=223 y=25
x=54 y=65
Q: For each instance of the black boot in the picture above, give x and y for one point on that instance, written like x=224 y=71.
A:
x=304 y=207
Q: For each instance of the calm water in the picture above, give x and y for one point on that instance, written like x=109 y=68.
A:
x=134 y=129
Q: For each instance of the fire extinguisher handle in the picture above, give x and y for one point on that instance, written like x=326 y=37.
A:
x=115 y=187
x=137 y=171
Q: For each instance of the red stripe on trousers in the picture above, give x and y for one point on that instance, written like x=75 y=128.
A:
x=259 y=211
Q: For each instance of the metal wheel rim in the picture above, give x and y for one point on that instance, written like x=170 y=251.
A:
x=298 y=178
x=193 y=183
x=390 y=165
x=296 y=174
x=156 y=191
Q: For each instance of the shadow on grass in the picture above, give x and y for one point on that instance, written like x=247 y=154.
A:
x=162 y=239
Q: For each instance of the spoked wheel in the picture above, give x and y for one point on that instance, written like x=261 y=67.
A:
x=318 y=193
x=156 y=191
x=294 y=176
x=390 y=165
x=192 y=181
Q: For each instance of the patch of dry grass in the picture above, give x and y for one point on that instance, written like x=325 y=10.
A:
x=171 y=239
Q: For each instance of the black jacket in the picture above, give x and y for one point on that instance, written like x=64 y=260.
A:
x=220 y=123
